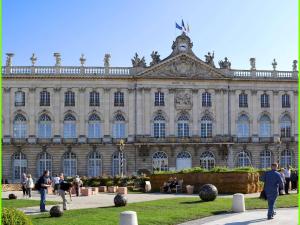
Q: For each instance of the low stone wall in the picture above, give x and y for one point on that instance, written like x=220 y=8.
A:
x=226 y=182
x=11 y=187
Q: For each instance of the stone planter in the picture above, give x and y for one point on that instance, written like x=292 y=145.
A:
x=86 y=192
x=95 y=189
x=122 y=190
x=190 y=189
x=112 y=189
x=102 y=189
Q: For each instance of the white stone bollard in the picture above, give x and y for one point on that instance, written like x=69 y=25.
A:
x=238 y=203
x=128 y=218
x=147 y=186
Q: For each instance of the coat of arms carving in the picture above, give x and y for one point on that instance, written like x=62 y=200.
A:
x=183 y=100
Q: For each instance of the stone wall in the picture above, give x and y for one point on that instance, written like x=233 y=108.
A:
x=227 y=182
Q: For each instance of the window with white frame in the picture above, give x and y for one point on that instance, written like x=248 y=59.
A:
x=44 y=163
x=265 y=159
x=265 y=126
x=119 y=126
x=286 y=101
x=69 y=164
x=183 y=129
x=206 y=99
x=285 y=158
x=69 y=98
x=116 y=160
x=285 y=126
x=206 y=127
x=264 y=101
x=207 y=160
x=119 y=98
x=20 y=126
x=159 y=127
x=45 y=126
x=94 y=98
x=94 y=164
x=243 y=100
x=69 y=126
x=20 y=98
x=159 y=99
x=19 y=165
x=243 y=159
x=243 y=126
x=183 y=160
x=44 y=98
x=160 y=161
x=94 y=124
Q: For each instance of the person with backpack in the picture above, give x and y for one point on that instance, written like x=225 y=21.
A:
x=77 y=183
x=63 y=187
x=42 y=184
x=23 y=184
x=29 y=185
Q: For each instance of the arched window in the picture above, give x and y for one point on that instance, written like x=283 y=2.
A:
x=119 y=126
x=19 y=165
x=94 y=164
x=69 y=126
x=243 y=159
x=183 y=126
x=265 y=159
x=206 y=99
x=44 y=98
x=285 y=158
x=45 y=126
x=94 y=130
x=116 y=161
x=70 y=164
x=20 y=126
x=285 y=126
x=159 y=127
x=160 y=161
x=265 y=126
x=243 y=126
x=206 y=127
x=207 y=160
x=44 y=163
x=183 y=161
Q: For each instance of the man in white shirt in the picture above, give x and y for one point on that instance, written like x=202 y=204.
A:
x=287 y=175
x=56 y=183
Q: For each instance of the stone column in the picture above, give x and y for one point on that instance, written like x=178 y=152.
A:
x=295 y=115
x=107 y=116
x=131 y=113
x=171 y=131
x=255 y=103
x=33 y=110
x=6 y=102
x=234 y=109
x=276 y=113
x=224 y=115
x=195 y=114
x=147 y=113
x=57 y=107
x=139 y=110
x=81 y=104
x=219 y=113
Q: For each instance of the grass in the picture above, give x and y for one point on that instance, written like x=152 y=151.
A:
x=158 y=212
x=21 y=203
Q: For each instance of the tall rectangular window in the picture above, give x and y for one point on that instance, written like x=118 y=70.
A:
x=69 y=98
x=94 y=98
x=206 y=99
x=243 y=100
x=119 y=99
x=159 y=99
x=20 y=98
x=264 y=101
x=44 y=98
x=286 y=101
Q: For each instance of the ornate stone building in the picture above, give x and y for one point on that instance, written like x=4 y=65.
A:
x=179 y=112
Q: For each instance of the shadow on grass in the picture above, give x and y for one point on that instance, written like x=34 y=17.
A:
x=220 y=212
x=192 y=202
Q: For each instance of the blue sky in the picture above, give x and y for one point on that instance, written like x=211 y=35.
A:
x=238 y=29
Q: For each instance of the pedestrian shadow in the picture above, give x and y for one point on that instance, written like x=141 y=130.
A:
x=247 y=222
x=192 y=202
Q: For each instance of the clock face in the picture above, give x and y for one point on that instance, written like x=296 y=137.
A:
x=182 y=46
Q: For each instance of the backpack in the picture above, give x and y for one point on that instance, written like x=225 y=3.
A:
x=37 y=185
x=65 y=186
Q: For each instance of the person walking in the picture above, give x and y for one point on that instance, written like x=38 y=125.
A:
x=77 y=184
x=287 y=175
x=55 y=183
x=272 y=183
x=43 y=183
x=23 y=184
x=29 y=185
x=61 y=190
x=281 y=192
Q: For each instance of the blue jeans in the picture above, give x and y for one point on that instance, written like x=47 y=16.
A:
x=43 y=199
x=271 y=203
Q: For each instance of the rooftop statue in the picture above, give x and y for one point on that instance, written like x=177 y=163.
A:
x=82 y=59
x=106 y=60
x=155 y=58
x=9 y=59
x=57 y=59
x=225 y=64
x=137 y=62
x=295 y=65
x=274 y=64
x=252 y=63
x=209 y=59
x=33 y=59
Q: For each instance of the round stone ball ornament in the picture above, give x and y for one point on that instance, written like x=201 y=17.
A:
x=120 y=200
x=12 y=196
x=56 y=211
x=208 y=192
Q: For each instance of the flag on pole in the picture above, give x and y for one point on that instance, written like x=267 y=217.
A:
x=182 y=24
x=188 y=28
x=185 y=29
x=178 y=27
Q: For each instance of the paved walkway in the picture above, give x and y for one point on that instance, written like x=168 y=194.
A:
x=254 y=217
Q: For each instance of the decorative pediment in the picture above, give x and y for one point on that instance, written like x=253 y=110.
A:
x=182 y=66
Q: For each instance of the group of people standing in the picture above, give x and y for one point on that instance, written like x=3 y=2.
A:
x=27 y=185
x=288 y=178
x=170 y=184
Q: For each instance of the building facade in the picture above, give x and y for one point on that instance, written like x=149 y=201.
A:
x=176 y=113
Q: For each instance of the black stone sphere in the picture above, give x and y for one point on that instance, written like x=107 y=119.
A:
x=120 y=200
x=12 y=196
x=208 y=192
x=56 y=211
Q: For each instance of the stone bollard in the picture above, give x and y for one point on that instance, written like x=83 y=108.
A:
x=128 y=218
x=238 y=203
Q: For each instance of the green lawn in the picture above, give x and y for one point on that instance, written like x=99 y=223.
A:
x=21 y=203
x=158 y=212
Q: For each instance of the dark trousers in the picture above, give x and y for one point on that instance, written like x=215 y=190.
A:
x=43 y=199
x=287 y=184
x=271 y=204
x=77 y=190
x=28 y=190
x=24 y=190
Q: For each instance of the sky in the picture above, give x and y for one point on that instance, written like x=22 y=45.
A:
x=238 y=29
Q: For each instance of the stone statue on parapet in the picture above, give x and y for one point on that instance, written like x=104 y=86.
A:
x=137 y=62
x=106 y=60
x=155 y=58
x=274 y=64
x=209 y=59
x=225 y=64
x=9 y=59
x=252 y=64
x=295 y=65
x=33 y=59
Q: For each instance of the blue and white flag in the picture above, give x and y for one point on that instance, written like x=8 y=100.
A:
x=182 y=27
x=178 y=27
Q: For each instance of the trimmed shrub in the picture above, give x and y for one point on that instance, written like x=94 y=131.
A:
x=11 y=216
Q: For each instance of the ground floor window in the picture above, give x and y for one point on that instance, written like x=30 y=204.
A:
x=265 y=159
x=117 y=163
x=243 y=159
x=94 y=164
x=207 y=160
x=69 y=164
x=183 y=161
x=160 y=161
x=285 y=158
x=44 y=163
x=19 y=165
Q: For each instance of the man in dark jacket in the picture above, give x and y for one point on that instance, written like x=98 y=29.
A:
x=44 y=183
x=272 y=182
